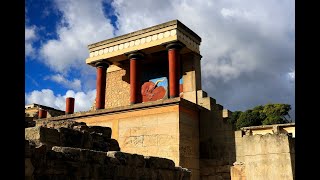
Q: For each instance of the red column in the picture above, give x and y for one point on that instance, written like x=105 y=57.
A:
x=42 y=113
x=174 y=69
x=69 y=105
x=134 y=77
x=101 y=84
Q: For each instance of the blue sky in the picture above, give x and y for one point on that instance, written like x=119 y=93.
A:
x=248 y=46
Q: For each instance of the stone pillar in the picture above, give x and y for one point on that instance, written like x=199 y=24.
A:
x=174 y=68
x=101 y=84
x=69 y=105
x=134 y=76
x=42 y=113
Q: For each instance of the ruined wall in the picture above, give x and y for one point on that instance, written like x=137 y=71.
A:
x=117 y=86
x=168 y=129
x=71 y=150
x=189 y=140
x=217 y=144
x=33 y=112
x=268 y=156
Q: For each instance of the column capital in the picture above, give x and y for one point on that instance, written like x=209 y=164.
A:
x=175 y=45
x=135 y=55
x=102 y=64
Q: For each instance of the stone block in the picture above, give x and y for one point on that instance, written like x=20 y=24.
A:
x=42 y=135
x=98 y=142
x=147 y=121
x=113 y=145
x=70 y=137
x=165 y=139
x=137 y=131
x=103 y=131
x=78 y=154
x=124 y=132
x=150 y=140
x=157 y=162
x=134 y=141
x=133 y=160
x=59 y=123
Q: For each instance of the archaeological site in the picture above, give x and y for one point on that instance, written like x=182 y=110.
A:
x=151 y=119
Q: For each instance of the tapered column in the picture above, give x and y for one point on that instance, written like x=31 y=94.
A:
x=174 y=68
x=134 y=76
x=69 y=105
x=42 y=113
x=101 y=84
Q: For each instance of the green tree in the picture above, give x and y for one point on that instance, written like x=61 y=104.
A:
x=261 y=115
x=234 y=117
x=248 y=118
x=276 y=113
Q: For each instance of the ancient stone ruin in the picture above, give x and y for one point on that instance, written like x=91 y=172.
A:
x=71 y=150
x=149 y=92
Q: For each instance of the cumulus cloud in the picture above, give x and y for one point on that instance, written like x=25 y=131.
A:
x=83 y=100
x=30 y=38
x=83 y=22
x=247 y=46
x=75 y=84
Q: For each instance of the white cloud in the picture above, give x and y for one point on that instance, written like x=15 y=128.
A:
x=256 y=30
x=246 y=45
x=83 y=22
x=30 y=38
x=83 y=100
x=75 y=84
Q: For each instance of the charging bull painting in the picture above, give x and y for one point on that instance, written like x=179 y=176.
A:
x=156 y=89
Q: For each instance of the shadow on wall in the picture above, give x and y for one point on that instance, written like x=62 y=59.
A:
x=217 y=144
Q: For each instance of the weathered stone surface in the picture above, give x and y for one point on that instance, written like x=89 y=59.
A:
x=29 y=122
x=98 y=142
x=28 y=167
x=76 y=163
x=42 y=135
x=78 y=154
x=113 y=145
x=104 y=131
x=70 y=138
x=59 y=124
x=159 y=163
x=133 y=160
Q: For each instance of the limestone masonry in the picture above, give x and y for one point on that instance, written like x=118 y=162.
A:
x=149 y=93
x=71 y=150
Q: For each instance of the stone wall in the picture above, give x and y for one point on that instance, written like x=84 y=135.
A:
x=167 y=128
x=71 y=150
x=191 y=74
x=189 y=140
x=118 y=87
x=268 y=156
x=152 y=131
x=33 y=112
x=217 y=144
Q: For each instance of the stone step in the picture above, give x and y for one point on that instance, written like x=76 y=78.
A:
x=202 y=94
x=207 y=102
